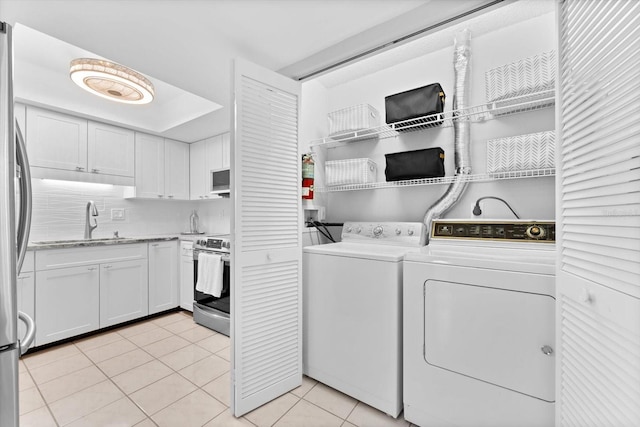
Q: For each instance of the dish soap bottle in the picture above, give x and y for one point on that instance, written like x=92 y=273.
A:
x=193 y=221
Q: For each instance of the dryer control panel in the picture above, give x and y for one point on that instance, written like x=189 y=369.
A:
x=391 y=233
x=520 y=231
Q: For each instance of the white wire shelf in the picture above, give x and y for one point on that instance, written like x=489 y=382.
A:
x=478 y=113
x=534 y=173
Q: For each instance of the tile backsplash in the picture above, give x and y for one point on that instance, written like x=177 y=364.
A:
x=59 y=212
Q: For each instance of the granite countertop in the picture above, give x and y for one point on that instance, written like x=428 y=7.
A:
x=74 y=243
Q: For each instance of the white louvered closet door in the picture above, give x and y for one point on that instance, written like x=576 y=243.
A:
x=266 y=224
x=598 y=202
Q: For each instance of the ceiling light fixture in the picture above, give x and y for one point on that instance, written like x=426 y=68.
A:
x=111 y=81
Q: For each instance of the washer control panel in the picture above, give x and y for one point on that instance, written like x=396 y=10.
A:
x=521 y=231
x=393 y=233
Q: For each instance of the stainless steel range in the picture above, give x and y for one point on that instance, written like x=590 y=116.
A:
x=208 y=310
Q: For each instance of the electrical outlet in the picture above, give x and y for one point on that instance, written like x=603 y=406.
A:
x=117 y=214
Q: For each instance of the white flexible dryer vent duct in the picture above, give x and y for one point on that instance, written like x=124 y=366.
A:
x=462 y=154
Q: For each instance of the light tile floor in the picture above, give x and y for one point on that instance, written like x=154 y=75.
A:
x=167 y=372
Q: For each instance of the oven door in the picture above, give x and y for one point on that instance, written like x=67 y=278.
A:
x=221 y=303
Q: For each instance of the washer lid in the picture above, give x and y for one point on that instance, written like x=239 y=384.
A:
x=376 y=252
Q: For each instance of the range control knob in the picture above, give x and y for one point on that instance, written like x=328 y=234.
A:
x=410 y=232
x=349 y=228
x=535 y=232
x=377 y=231
x=398 y=231
x=358 y=230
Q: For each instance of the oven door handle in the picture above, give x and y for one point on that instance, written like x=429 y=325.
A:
x=226 y=257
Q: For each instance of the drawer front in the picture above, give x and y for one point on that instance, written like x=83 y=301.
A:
x=48 y=259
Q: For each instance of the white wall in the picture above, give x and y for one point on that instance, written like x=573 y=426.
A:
x=59 y=212
x=531 y=198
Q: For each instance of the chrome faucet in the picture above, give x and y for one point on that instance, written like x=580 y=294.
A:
x=91 y=211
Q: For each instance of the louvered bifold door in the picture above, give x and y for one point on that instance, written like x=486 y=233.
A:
x=266 y=325
x=598 y=214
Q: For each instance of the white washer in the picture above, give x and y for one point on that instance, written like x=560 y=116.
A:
x=352 y=311
x=479 y=326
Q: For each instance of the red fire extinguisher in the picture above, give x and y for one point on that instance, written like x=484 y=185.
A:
x=307 y=176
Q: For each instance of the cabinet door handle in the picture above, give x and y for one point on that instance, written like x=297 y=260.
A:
x=170 y=196
x=202 y=197
x=160 y=195
x=79 y=168
x=155 y=244
x=108 y=266
x=95 y=170
x=92 y=268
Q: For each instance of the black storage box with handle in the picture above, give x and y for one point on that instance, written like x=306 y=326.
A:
x=417 y=164
x=413 y=104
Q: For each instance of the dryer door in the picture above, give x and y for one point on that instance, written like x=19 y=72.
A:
x=492 y=334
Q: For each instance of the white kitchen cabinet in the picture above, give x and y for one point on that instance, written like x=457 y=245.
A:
x=81 y=289
x=67 y=301
x=211 y=154
x=56 y=141
x=214 y=153
x=186 y=275
x=198 y=171
x=163 y=276
x=149 y=180
x=226 y=150
x=176 y=170
x=110 y=150
x=162 y=169
x=71 y=148
x=123 y=291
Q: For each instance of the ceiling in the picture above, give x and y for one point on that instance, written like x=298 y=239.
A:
x=186 y=48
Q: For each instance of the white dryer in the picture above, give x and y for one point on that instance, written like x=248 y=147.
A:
x=352 y=311
x=479 y=326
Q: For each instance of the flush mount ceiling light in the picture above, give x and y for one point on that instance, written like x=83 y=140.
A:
x=111 y=81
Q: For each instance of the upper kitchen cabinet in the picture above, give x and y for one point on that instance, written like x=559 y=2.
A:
x=56 y=140
x=208 y=156
x=162 y=168
x=70 y=148
x=149 y=182
x=176 y=167
x=197 y=171
x=110 y=150
x=226 y=150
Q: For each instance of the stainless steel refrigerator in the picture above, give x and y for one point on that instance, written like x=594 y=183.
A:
x=15 y=220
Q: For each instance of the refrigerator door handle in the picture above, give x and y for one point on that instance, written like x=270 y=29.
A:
x=26 y=342
x=24 y=222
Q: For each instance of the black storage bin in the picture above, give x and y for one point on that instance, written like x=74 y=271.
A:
x=417 y=164
x=423 y=101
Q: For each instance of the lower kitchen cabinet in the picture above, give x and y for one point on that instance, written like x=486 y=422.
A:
x=186 y=275
x=67 y=301
x=123 y=291
x=163 y=276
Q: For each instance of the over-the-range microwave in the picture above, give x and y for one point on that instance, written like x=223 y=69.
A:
x=219 y=182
